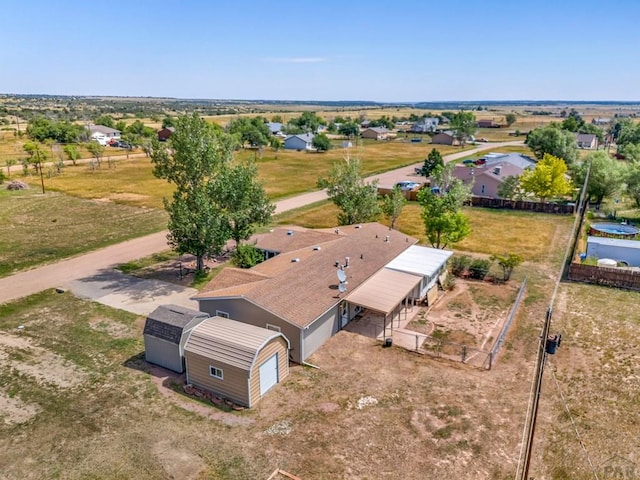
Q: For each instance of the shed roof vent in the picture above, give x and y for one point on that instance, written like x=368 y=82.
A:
x=295 y=260
x=289 y=232
x=316 y=247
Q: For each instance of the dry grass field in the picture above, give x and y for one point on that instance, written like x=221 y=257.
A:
x=284 y=173
x=37 y=229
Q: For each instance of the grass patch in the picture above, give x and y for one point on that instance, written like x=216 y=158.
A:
x=37 y=229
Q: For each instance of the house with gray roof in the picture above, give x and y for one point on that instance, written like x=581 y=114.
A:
x=588 y=141
x=317 y=281
x=426 y=125
x=103 y=135
x=274 y=127
x=303 y=141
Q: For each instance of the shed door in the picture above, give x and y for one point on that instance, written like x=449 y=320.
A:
x=268 y=374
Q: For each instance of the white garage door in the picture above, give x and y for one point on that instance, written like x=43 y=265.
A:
x=268 y=374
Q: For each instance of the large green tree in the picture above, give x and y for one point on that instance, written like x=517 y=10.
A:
x=193 y=160
x=349 y=129
x=606 y=177
x=321 y=142
x=547 y=180
x=444 y=222
x=463 y=125
x=510 y=118
x=357 y=199
x=633 y=181
x=552 y=140
x=433 y=160
x=252 y=131
x=243 y=199
x=393 y=204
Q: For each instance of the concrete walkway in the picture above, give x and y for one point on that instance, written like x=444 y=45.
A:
x=89 y=274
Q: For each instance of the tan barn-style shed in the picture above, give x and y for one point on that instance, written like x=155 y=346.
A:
x=236 y=360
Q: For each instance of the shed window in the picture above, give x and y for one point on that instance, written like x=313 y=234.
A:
x=222 y=314
x=275 y=328
x=216 y=372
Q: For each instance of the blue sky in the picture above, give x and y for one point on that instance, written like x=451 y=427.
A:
x=331 y=50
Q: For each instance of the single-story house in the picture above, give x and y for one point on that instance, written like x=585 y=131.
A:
x=444 y=138
x=375 y=133
x=620 y=250
x=165 y=133
x=103 y=135
x=485 y=180
x=315 y=281
x=587 y=141
x=365 y=123
x=165 y=334
x=274 y=127
x=426 y=125
x=236 y=360
x=601 y=121
x=487 y=124
x=303 y=141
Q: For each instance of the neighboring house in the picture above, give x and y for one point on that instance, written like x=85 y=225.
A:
x=236 y=360
x=274 y=127
x=627 y=251
x=601 y=121
x=487 y=124
x=444 y=138
x=165 y=334
x=365 y=124
x=587 y=141
x=316 y=281
x=165 y=133
x=485 y=180
x=375 y=133
x=303 y=141
x=103 y=135
x=321 y=129
x=426 y=125
x=516 y=159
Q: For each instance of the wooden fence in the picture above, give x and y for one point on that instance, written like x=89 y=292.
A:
x=486 y=202
x=610 y=277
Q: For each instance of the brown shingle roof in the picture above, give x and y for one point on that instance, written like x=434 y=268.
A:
x=233 y=277
x=300 y=292
x=281 y=241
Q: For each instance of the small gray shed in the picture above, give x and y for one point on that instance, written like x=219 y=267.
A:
x=165 y=334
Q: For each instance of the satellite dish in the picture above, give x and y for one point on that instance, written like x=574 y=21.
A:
x=342 y=276
x=342 y=288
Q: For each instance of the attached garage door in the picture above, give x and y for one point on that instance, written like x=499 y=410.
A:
x=268 y=374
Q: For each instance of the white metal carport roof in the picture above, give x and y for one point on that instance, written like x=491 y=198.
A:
x=424 y=261
x=384 y=291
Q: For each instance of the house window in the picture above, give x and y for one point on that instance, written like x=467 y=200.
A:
x=222 y=314
x=482 y=189
x=275 y=328
x=216 y=372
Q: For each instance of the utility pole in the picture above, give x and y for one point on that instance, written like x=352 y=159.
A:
x=39 y=163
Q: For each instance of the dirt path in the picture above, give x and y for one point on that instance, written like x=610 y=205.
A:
x=51 y=276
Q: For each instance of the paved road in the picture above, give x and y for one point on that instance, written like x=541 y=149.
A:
x=94 y=268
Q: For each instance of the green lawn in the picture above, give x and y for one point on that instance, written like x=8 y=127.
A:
x=37 y=229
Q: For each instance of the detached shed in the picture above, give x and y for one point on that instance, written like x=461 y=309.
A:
x=165 y=334
x=236 y=360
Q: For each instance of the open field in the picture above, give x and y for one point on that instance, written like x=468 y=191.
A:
x=37 y=229
x=284 y=173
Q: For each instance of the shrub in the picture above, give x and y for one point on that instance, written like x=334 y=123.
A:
x=246 y=256
x=2 y=177
x=479 y=268
x=459 y=264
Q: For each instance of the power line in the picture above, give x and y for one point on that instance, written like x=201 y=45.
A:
x=528 y=434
